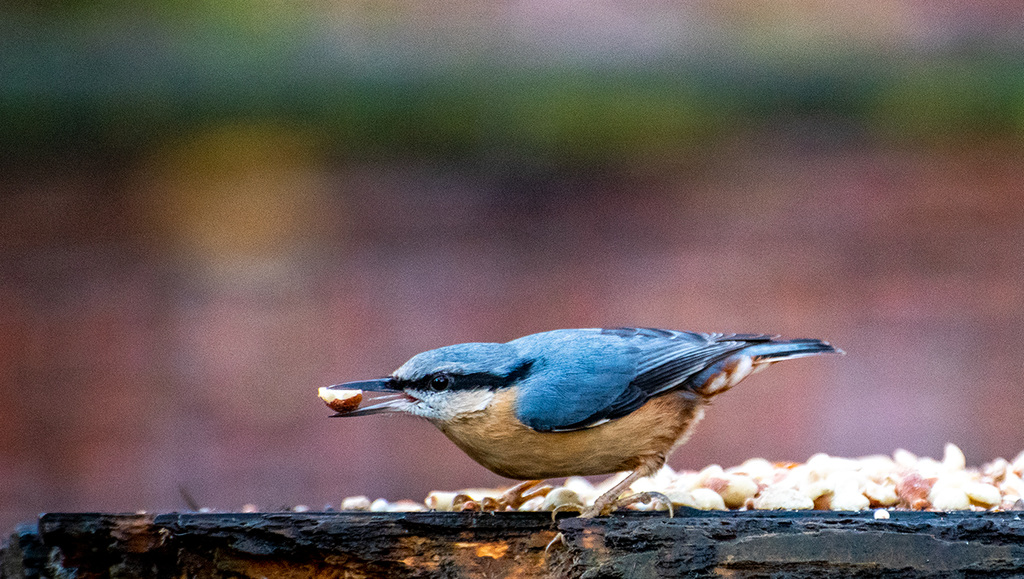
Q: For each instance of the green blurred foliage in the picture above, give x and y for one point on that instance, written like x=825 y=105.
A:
x=371 y=79
x=952 y=99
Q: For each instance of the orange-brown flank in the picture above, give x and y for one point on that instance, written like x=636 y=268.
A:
x=497 y=440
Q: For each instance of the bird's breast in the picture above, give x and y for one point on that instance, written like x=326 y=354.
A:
x=496 y=439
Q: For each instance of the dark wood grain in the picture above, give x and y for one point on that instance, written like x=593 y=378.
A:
x=629 y=544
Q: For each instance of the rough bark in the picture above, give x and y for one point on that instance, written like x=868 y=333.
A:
x=629 y=544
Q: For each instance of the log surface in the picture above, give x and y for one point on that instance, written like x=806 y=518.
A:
x=428 y=544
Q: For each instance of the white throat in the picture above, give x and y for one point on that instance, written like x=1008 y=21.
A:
x=449 y=405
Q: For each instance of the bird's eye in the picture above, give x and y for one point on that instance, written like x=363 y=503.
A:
x=439 y=382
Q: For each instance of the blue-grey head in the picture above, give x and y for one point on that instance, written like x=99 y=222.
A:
x=446 y=383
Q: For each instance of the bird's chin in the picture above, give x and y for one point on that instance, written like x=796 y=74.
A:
x=422 y=409
x=446 y=406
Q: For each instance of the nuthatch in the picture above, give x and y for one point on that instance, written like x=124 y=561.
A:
x=576 y=402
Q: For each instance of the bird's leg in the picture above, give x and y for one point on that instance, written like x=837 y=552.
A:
x=607 y=502
x=515 y=497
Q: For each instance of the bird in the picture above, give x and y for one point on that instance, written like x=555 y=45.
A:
x=573 y=402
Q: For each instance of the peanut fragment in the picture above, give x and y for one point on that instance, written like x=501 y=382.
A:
x=777 y=498
x=340 y=400
x=902 y=481
x=982 y=494
x=563 y=499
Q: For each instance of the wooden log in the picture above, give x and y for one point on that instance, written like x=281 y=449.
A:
x=429 y=544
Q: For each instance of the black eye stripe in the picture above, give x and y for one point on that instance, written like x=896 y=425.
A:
x=471 y=381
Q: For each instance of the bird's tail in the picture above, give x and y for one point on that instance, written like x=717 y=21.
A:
x=727 y=371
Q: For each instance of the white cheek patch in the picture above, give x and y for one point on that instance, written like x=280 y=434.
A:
x=449 y=405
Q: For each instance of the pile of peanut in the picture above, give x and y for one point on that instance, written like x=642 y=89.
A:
x=900 y=482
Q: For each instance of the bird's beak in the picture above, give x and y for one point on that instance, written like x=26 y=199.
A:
x=395 y=401
x=376 y=385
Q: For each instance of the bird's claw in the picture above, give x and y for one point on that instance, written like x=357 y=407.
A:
x=559 y=539
x=558 y=508
x=464 y=502
x=645 y=498
x=601 y=508
x=598 y=509
x=595 y=511
x=514 y=497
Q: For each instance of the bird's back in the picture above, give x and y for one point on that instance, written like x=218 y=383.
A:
x=582 y=378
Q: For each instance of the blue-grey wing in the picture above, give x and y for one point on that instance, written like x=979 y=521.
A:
x=575 y=377
x=671 y=358
x=587 y=377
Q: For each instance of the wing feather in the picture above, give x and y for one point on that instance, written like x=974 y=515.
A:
x=605 y=374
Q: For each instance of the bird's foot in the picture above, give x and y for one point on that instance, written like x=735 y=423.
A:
x=514 y=497
x=646 y=497
x=609 y=501
x=605 y=507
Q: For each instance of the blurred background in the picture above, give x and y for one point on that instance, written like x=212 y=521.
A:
x=209 y=209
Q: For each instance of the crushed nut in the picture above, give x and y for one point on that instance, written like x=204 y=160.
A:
x=882 y=483
x=340 y=400
x=563 y=499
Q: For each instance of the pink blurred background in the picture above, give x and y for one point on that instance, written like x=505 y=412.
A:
x=168 y=311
